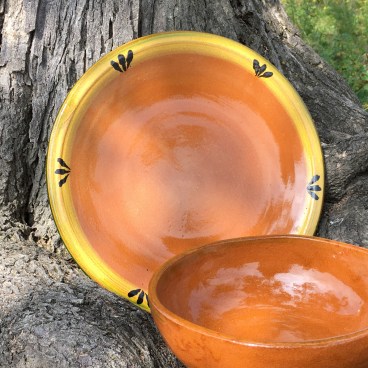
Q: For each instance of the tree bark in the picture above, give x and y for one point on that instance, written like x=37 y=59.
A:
x=51 y=314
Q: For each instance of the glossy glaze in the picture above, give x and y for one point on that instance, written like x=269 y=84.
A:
x=172 y=146
x=165 y=135
x=284 y=295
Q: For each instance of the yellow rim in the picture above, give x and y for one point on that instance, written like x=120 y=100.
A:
x=101 y=73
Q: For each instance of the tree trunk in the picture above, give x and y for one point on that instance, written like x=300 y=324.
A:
x=51 y=314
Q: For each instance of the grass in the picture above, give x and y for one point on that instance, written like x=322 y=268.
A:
x=338 y=31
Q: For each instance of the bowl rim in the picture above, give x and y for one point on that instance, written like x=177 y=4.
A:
x=61 y=205
x=158 y=308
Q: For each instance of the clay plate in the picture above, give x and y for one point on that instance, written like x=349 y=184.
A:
x=173 y=141
x=281 y=302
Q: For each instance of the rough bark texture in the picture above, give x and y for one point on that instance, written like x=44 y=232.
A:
x=51 y=314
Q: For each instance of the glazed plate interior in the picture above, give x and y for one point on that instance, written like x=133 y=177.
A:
x=173 y=141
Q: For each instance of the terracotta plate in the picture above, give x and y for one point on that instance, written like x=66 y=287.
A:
x=173 y=141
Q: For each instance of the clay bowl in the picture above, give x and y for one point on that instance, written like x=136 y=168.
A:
x=164 y=135
x=280 y=302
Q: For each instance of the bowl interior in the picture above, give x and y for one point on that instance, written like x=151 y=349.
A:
x=283 y=289
x=144 y=163
x=166 y=149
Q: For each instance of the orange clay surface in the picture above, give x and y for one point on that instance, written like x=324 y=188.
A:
x=305 y=298
x=180 y=151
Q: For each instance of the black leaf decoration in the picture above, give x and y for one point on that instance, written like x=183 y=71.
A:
x=116 y=66
x=313 y=195
x=129 y=58
x=260 y=70
x=141 y=295
x=133 y=293
x=124 y=62
x=61 y=172
x=256 y=66
x=312 y=188
x=266 y=75
x=63 y=181
x=315 y=188
x=314 y=179
x=62 y=163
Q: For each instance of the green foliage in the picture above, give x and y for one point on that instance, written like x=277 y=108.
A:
x=338 y=31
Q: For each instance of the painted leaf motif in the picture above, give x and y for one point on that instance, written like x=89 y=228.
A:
x=262 y=69
x=256 y=66
x=129 y=58
x=116 y=66
x=312 y=187
x=62 y=171
x=63 y=181
x=314 y=179
x=266 y=75
x=315 y=188
x=141 y=297
x=62 y=163
x=313 y=195
x=133 y=293
x=122 y=62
